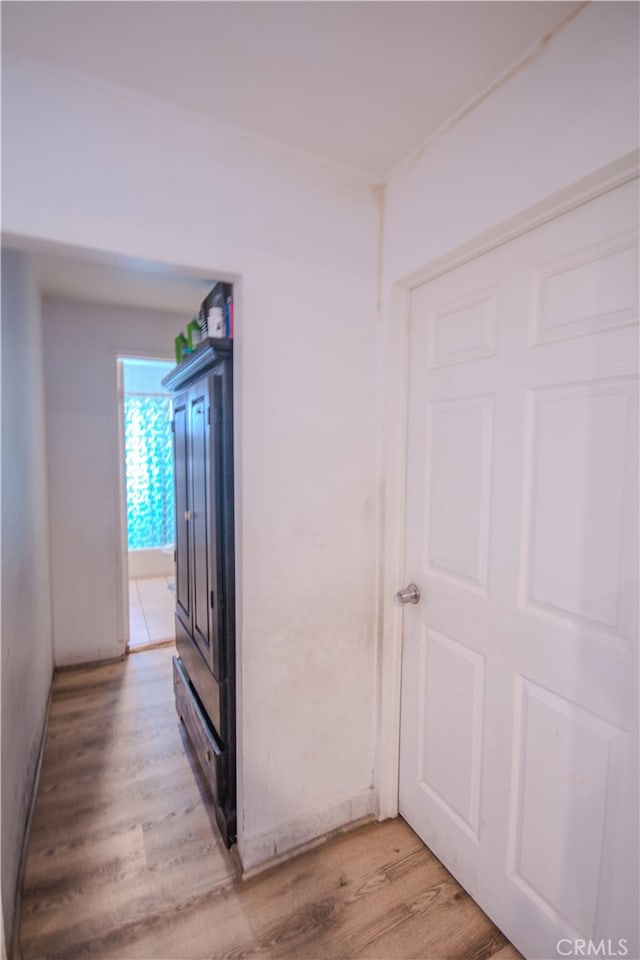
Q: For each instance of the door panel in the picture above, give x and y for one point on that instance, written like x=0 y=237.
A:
x=217 y=629
x=458 y=486
x=199 y=440
x=452 y=678
x=183 y=545
x=519 y=692
x=578 y=442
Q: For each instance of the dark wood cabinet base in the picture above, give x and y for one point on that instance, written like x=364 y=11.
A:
x=211 y=756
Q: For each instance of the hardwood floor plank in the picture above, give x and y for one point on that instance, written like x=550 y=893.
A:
x=125 y=861
x=447 y=925
x=508 y=952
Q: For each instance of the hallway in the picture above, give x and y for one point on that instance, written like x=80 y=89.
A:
x=124 y=860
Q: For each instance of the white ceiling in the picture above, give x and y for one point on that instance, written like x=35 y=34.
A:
x=360 y=84
x=119 y=280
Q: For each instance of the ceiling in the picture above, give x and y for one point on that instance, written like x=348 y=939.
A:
x=359 y=84
x=108 y=278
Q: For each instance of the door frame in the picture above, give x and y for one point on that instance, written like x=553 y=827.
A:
x=394 y=351
x=122 y=552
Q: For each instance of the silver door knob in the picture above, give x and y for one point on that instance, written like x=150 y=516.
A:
x=410 y=594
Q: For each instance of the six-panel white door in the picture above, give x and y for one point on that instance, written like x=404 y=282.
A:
x=519 y=750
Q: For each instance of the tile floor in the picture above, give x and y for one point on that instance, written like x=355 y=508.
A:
x=151 y=606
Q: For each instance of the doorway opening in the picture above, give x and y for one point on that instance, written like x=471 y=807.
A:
x=148 y=484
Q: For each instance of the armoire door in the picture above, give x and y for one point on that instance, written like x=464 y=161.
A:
x=199 y=516
x=220 y=511
x=183 y=540
x=519 y=733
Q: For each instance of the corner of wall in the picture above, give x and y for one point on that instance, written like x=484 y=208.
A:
x=27 y=661
x=263 y=850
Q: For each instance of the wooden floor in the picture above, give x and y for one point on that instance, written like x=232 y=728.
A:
x=124 y=860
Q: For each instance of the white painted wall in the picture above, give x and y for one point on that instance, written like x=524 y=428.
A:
x=150 y=562
x=570 y=112
x=129 y=175
x=82 y=342
x=27 y=661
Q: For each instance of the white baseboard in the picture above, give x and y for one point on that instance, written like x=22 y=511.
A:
x=261 y=850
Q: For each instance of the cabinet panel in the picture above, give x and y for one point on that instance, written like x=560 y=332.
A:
x=208 y=689
x=199 y=512
x=208 y=750
x=183 y=546
x=218 y=552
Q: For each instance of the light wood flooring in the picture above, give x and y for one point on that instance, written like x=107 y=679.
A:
x=124 y=860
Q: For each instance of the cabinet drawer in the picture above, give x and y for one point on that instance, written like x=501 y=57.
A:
x=209 y=753
x=202 y=680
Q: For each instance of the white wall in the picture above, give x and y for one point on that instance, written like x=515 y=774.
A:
x=82 y=342
x=150 y=562
x=125 y=174
x=27 y=662
x=570 y=112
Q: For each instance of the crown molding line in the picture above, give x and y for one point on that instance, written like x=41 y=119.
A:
x=607 y=178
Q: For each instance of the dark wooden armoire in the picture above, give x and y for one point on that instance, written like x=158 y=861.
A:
x=204 y=668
